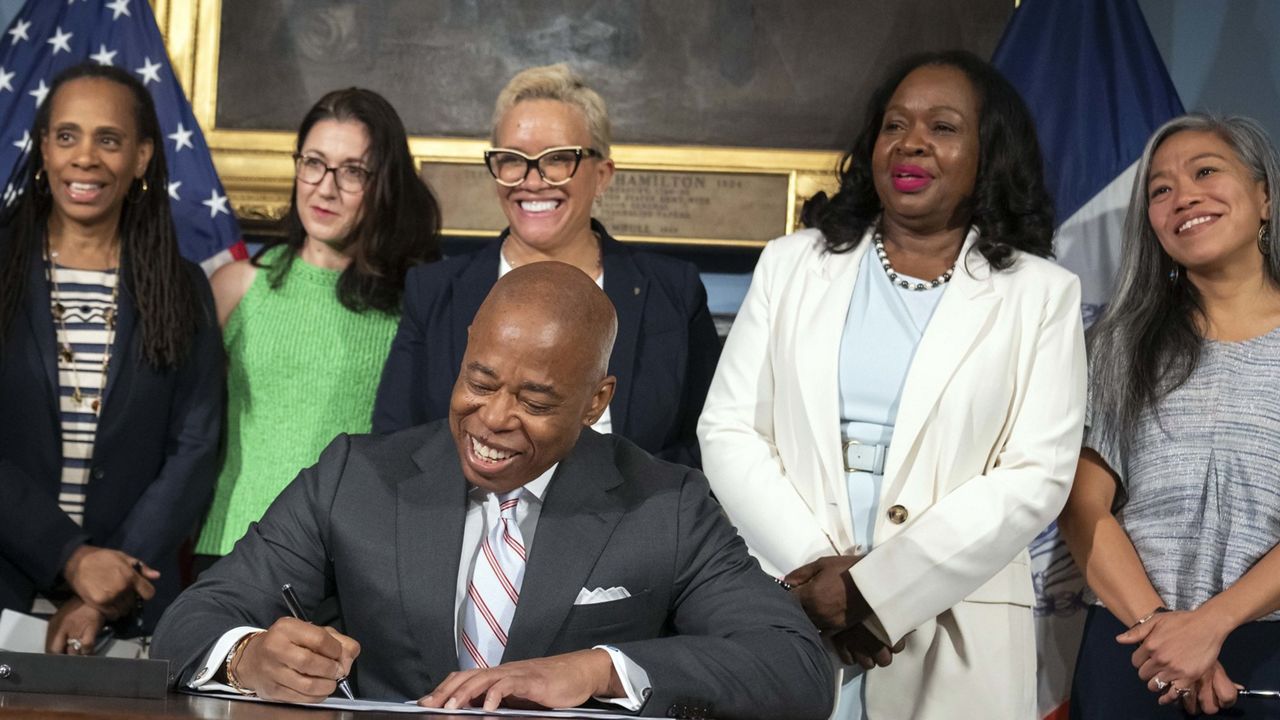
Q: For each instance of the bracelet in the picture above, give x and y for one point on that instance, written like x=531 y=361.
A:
x=1142 y=620
x=233 y=658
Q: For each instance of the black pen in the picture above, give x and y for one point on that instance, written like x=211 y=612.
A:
x=137 y=604
x=103 y=640
x=295 y=609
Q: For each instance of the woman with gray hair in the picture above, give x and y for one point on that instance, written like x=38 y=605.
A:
x=1174 y=517
x=550 y=161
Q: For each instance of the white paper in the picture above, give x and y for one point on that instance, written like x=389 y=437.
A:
x=20 y=632
x=335 y=703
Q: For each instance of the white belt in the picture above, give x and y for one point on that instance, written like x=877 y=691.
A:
x=859 y=457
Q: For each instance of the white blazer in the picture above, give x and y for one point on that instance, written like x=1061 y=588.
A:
x=983 y=453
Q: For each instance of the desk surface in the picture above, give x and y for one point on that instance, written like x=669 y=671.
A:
x=38 y=706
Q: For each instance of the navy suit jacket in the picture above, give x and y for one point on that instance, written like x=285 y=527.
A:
x=664 y=356
x=154 y=458
x=377 y=524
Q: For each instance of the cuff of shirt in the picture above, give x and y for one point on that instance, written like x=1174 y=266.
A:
x=203 y=677
x=634 y=680
x=876 y=627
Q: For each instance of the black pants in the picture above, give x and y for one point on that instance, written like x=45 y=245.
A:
x=1107 y=685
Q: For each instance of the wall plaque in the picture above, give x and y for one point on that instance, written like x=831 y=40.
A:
x=656 y=205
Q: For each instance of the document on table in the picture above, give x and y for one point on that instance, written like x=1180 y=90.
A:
x=20 y=632
x=335 y=703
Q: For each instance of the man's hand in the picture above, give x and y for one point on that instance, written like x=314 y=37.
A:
x=827 y=593
x=74 y=621
x=109 y=579
x=858 y=645
x=295 y=661
x=558 y=681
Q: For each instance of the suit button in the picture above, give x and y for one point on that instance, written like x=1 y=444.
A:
x=897 y=514
x=98 y=473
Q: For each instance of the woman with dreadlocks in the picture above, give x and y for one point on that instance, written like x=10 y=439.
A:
x=110 y=369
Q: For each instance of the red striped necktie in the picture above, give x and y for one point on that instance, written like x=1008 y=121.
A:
x=494 y=588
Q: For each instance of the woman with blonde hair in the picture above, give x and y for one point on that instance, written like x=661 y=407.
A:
x=550 y=160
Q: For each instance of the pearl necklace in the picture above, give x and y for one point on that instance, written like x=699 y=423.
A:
x=896 y=279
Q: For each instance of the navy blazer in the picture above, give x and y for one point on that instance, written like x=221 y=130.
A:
x=154 y=458
x=664 y=356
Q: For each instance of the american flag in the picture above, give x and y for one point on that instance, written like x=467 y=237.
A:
x=47 y=36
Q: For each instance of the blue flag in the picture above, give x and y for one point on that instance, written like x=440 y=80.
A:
x=1096 y=84
x=48 y=36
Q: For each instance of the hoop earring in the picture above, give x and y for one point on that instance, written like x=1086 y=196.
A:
x=40 y=182
x=1263 y=231
x=135 y=199
x=1175 y=274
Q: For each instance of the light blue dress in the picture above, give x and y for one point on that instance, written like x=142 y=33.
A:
x=881 y=331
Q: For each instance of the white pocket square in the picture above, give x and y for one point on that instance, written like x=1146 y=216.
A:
x=600 y=595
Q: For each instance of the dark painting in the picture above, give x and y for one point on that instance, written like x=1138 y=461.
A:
x=748 y=73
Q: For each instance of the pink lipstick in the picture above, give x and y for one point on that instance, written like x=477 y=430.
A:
x=910 y=178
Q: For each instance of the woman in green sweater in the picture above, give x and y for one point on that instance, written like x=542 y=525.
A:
x=308 y=322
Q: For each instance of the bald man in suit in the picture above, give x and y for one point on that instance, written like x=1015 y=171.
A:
x=631 y=587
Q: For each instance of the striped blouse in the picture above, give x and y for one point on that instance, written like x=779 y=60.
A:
x=85 y=297
x=1203 y=474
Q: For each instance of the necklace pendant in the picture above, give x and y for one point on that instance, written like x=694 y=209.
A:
x=97 y=403
x=77 y=397
x=66 y=354
x=58 y=311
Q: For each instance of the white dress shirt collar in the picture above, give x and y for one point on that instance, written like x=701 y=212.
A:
x=534 y=489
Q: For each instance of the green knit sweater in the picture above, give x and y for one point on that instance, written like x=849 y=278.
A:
x=301 y=368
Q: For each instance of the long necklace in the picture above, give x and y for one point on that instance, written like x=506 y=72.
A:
x=66 y=355
x=896 y=279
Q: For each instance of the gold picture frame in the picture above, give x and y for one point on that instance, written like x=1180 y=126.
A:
x=256 y=167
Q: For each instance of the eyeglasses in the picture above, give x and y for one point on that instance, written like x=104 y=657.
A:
x=311 y=170
x=556 y=166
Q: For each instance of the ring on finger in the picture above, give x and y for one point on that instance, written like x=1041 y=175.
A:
x=73 y=644
x=1181 y=692
x=1160 y=684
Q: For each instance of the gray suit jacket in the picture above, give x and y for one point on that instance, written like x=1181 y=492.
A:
x=377 y=525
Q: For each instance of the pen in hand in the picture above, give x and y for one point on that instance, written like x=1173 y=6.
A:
x=1259 y=693
x=295 y=609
